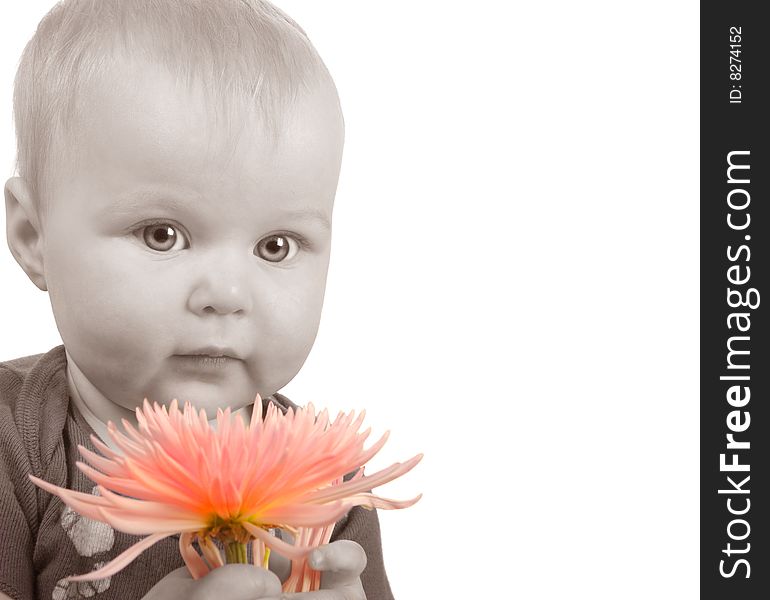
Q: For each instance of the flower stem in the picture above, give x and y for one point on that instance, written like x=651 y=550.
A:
x=235 y=553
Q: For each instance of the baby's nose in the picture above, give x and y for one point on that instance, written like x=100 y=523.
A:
x=222 y=291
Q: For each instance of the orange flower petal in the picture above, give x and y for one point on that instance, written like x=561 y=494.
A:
x=274 y=543
x=372 y=501
x=191 y=558
x=211 y=552
x=87 y=505
x=305 y=515
x=363 y=484
x=121 y=560
x=129 y=522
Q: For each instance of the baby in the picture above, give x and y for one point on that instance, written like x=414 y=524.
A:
x=177 y=167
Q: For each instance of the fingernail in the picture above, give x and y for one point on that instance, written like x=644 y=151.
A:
x=316 y=560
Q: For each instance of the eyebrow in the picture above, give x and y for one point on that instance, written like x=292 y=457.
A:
x=134 y=201
x=137 y=200
x=310 y=214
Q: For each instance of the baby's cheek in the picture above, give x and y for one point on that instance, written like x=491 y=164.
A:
x=126 y=303
x=108 y=306
x=290 y=327
x=298 y=314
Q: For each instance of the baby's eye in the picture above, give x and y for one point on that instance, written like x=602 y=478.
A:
x=277 y=247
x=164 y=237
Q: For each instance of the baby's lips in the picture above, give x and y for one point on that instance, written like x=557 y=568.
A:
x=212 y=350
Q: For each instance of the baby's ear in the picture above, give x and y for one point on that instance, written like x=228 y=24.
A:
x=23 y=229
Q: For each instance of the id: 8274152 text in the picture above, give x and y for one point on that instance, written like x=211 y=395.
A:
x=736 y=75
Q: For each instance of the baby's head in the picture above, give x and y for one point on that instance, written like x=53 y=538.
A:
x=177 y=166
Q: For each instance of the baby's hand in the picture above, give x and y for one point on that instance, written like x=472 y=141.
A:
x=230 y=582
x=341 y=563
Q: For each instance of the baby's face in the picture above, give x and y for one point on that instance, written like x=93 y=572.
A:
x=179 y=268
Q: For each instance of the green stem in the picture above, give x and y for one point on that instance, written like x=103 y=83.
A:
x=235 y=553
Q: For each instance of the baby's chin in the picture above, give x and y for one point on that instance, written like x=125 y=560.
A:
x=204 y=395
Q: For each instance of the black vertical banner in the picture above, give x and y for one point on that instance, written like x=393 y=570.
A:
x=735 y=297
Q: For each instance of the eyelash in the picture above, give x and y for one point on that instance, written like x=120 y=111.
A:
x=303 y=242
x=138 y=229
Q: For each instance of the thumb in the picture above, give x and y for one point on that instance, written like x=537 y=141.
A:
x=342 y=563
x=237 y=582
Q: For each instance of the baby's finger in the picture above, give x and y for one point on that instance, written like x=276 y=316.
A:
x=237 y=582
x=348 y=593
x=180 y=575
x=175 y=584
x=341 y=563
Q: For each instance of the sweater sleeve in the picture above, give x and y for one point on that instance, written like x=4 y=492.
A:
x=17 y=578
x=363 y=526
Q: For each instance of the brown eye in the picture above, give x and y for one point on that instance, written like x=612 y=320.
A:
x=164 y=237
x=277 y=248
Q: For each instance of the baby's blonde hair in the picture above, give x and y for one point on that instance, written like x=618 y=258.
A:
x=243 y=53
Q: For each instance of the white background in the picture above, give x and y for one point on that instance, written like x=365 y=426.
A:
x=513 y=288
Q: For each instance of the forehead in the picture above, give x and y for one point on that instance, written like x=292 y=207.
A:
x=139 y=126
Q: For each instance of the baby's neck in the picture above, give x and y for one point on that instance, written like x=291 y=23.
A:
x=98 y=410
x=95 y=408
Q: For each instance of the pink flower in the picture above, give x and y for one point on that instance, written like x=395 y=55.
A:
x=235 y=483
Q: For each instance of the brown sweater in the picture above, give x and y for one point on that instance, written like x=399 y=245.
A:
x=42 y=541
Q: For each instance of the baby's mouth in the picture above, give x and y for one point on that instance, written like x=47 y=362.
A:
x=211 y=352
x=210 y=357
x=206 y=368
x=208 y=361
